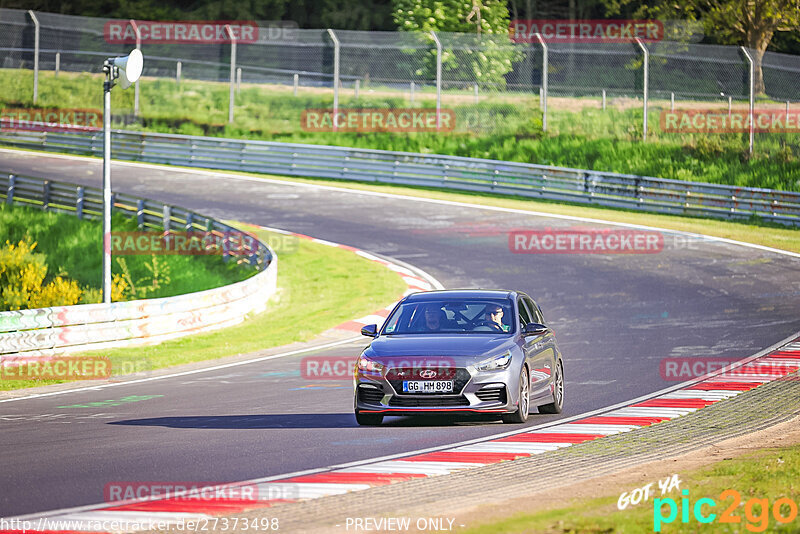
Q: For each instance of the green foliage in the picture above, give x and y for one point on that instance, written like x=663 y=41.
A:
x=22 y=276
x=69 y=247
x=484 y=54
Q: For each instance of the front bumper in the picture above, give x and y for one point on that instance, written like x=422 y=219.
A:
x=474 y=392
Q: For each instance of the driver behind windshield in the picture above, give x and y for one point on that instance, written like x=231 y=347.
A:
x=494 y=316
x=435 y=320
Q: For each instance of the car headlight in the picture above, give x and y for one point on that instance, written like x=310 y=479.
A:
x=369 y=367
x=495 y=362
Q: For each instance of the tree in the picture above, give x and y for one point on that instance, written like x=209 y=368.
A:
x=751 y=23
x=484 y=55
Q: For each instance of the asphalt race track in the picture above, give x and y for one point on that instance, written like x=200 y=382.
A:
x=617 y=316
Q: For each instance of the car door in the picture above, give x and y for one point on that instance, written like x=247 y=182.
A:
x=539 y=351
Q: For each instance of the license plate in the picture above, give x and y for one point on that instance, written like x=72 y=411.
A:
x=427 y=386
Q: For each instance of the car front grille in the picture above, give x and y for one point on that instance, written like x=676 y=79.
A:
x=460 y=377
x=427 y=401
x=493 y=394
x=369 y=395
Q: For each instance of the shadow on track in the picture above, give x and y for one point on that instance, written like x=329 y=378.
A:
x=301 y=420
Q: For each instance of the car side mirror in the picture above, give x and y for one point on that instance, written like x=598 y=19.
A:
x=534 y=329
x=371 y=330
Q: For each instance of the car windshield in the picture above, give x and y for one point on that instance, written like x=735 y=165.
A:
x=465 y=316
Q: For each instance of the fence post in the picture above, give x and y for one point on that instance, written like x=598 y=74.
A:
x=12 y=186
x=438 y=77
x=672 y=101
x=238 y=80
x=178 y=68
x=412 y=92
x=231 y=98
x=752 y=97
x=58 y=63
x=730 y=107
x=140 y=213
x=35 y=55
x=139 y=48
x=356 y=88
x=604 y=99
x=336 y=50
x=646 y=64
x=543 y=92
x=476 y=93
x=45 y=195
x=79 y=202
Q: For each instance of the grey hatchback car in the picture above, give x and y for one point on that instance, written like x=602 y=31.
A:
x=460 y=351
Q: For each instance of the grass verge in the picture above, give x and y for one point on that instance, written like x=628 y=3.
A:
x=764 y=476
x=500 y=126
x=319 y=287
x=73 y=249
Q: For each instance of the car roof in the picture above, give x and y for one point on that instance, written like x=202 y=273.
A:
x=461 y=294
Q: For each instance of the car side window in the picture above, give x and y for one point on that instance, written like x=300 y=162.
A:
x=524 y=314
x=536 y=313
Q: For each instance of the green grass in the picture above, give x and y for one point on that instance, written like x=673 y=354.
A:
x=767 y=474
x=508 y=128
x=319 y=287
x=73 y=248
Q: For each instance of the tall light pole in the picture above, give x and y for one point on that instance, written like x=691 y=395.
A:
x=127 y=69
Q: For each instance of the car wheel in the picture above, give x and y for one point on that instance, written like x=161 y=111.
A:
x=368 y=419
x=523 y=407
x=558 y=393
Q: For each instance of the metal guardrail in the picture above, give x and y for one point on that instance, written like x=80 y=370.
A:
x=449 y=172
x=31 y=334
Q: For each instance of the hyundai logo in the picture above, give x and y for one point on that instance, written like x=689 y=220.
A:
x=427 y=373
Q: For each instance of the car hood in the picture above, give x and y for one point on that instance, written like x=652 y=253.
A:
x=464 y=345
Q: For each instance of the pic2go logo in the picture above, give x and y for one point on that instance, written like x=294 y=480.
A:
x=756 y=511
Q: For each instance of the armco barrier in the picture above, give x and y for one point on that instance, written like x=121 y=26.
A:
x=27 y=334
x=449 y=172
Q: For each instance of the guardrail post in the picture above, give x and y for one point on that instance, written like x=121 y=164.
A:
x=543 y=92
x=138 y=34
x=45 y=195
x=79 y=202
x=35 y=55
x=336 y=51
x=752 y=96
x=166 y=217
x=646 y=64
x=438 y=77
x=189 y=221
x=12 y=185
x=58 y=63
x=233 y=71
x=140 y=213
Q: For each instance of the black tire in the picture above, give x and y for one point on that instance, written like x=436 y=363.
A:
x=524 y=405
x=368 y=419
x=558 y=393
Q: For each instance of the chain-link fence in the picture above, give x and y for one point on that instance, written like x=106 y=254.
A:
x=489 y=83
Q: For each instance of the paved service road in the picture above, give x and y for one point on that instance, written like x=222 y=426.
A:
x=617 y=317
